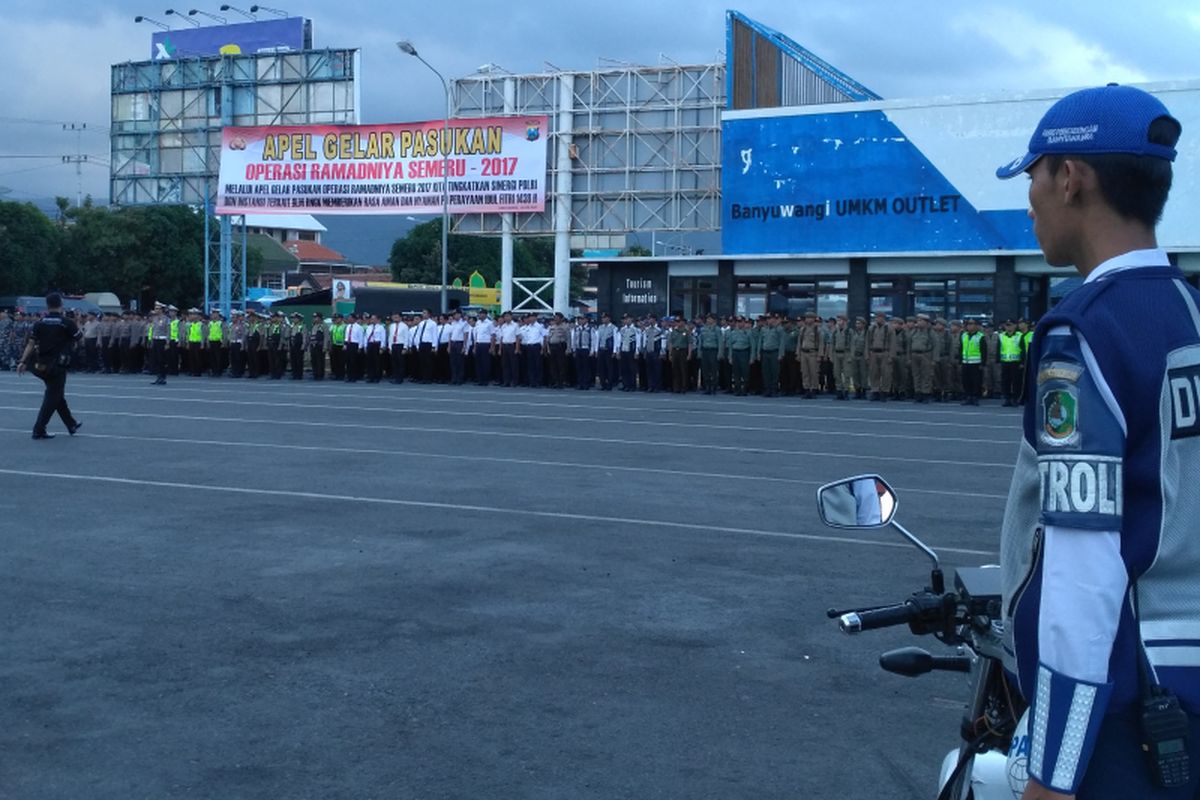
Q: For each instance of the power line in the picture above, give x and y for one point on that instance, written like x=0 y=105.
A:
x=27 y=121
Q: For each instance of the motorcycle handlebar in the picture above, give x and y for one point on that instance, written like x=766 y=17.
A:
x=866 y=620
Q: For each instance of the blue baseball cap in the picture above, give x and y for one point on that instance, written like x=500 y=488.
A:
x=1107 y=119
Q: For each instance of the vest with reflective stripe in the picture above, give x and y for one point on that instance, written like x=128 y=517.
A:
x=971 y=348
x=174 y=330
x=1010 y=347
x=337 y=335
x=194 y=333
x=215 y=331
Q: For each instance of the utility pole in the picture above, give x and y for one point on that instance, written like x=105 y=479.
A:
x=79 y=159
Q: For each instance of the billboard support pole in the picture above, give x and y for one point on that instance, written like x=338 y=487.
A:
x=562 y=195
x=207 y=246
x=506 y=237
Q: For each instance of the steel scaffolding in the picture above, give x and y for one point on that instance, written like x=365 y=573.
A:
x=166 y=131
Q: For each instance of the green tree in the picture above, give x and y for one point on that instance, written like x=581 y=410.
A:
x=416 y=257
x=146 y=252
x=29 y=249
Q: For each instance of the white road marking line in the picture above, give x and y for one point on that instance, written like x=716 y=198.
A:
x=462 y=507
x=493 y=459
x=543 y=417
x=673 y=404
x=1006 y=465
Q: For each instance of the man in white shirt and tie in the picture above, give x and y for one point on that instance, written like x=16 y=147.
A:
x=506 y=340
x=355 y=338
x=482 y=337
x=425 y=340
x=456 y=333
x=399 y=340
x=375 y=337
x=532 y=337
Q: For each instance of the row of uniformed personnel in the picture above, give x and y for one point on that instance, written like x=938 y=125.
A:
x=919 y=358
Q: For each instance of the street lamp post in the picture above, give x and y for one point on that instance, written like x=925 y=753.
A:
x=407 y=48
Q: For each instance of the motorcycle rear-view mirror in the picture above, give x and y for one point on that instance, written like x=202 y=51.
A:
x=859 y=503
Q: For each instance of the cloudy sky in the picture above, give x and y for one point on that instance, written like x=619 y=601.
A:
x=59 y=53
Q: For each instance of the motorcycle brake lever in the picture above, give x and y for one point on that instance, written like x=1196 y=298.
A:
x=835 y=613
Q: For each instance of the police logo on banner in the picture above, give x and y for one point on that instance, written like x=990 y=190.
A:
x=1060 y=417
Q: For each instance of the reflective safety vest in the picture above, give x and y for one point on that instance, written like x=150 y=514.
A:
x=215 y=331
x=972 y=347
x=149 y=331
x=1010 y=347
x=194 y=333
x=1028 y=340
x=337 y=335
x=174 y=330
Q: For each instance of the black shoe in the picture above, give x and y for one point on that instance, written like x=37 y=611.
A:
x=72 y=429
x=42 y=435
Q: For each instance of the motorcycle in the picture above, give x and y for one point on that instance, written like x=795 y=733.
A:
x=991 y=763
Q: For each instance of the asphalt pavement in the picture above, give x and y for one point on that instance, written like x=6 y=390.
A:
x=256 y=589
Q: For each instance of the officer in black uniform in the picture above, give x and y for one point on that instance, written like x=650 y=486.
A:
x=48 y=353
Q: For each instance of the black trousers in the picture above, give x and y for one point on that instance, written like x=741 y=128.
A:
x=160 y=359
x=337 y=362
x=1010 y=380
x=583 y=368
x=972 y=380
x=533 y=364
x=458 y=363
x=215 y=367
x=237 y=360
x=92 y=355
x=397 y=363
x=606 y=369
x=483 y=363
x=510 y=370
x=425 y=356
x=628 y=371
x=53 y=400
x=296 y=358
x=558 y=364
x=679 y=371
x=653 y=371
x=374 y=370
x=317 y=355
x=351 y=358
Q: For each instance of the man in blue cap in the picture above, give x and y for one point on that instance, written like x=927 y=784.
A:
x=1100 y=553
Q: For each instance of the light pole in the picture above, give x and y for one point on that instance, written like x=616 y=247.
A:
x=227 y=7
x=188 y=20
x=407 y=48
x=219 y=19
x=154 y=22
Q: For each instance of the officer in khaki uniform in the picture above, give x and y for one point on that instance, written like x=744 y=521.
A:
x=858 y=358
x=879 y=346
x=808 y=351
x=955 y=376
x=920 y=348
x=899 y=354
x=940 y=356
x=839 y=354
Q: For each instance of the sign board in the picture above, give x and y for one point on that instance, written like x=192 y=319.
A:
x=495 y=165
x=637 y=289
x=242 y=38
x=905 y=176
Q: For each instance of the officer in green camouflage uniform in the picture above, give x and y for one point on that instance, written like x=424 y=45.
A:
x=739 y=346
x=709 y=339
x=770 y=352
